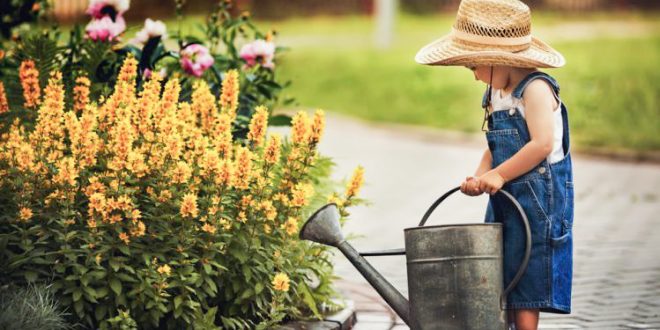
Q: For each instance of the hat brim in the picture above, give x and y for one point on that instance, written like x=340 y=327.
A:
x=445 y=51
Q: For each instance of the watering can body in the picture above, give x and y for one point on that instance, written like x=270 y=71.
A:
x=454 y=271
x=455 y=276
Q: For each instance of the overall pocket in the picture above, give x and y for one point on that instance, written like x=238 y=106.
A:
x=566 y=217
x=503 y=143
x=533 y=197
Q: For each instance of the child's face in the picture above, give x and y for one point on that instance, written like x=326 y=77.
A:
x=481 y=73
x=490 y=75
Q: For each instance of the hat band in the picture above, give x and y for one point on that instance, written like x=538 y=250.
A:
x=487 y=40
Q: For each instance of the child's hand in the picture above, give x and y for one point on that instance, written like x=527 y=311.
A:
x=470 y=186
x=491 y=181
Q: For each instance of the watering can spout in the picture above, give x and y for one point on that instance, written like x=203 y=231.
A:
x=323 y=227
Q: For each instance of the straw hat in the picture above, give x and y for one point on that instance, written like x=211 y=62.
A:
x=491 y=32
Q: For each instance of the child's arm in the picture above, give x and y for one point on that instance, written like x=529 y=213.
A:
x=539 y=101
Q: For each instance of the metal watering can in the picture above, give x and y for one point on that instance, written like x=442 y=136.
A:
x=454 y=271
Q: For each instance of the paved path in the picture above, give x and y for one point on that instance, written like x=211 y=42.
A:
x=616 y=230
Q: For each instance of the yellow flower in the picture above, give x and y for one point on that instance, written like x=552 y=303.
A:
x=281 y=282
x=258 y=125
x=229 y=96
x=66 y=172
x=164 y=269
x=168 y=102
x=203 y=105
x=300 y=128
x=226 y=225
x=181 y=173
x=124 y=237
x=291 y=226
x=209 y=228
x=336 y=200
x=48 y=134
x=91 y=223
x=128 y=70
x=318 y=125
x=25 y=214
x=29 y=76
x=98 y=259
x=122 y=136
x=136 y=164
x=267 y=228
x=69 y=222
x=242 y=217
x=269 y=210
x=189 y=205
x=81 y=93
x=165 y=196
x=243 y=172
x=4 y=105
x=222 y=139
x=135 y=215
x=210 y=164
x=272 y=152
x=356 y=182
x=97 y=202
x=139 y=230
x=300 y=194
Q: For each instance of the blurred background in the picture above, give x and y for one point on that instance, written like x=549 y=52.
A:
x=356 y=58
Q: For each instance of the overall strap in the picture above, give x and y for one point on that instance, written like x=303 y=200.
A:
x=518 y=92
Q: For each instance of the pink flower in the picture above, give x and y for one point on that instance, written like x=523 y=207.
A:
x=105 y=29
x=195 y=59
x=151 y=29
x=113 y=8
x=107 y=20
x=259 y=52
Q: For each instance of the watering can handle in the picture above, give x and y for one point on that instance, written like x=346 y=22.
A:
x=528 y=235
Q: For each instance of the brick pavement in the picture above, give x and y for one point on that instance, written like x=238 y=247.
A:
x=616 y=230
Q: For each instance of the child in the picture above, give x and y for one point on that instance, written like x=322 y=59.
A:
x=528 y=148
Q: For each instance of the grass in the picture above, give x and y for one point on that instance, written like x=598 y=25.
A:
x=609 y=84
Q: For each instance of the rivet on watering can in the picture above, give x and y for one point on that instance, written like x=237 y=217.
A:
x=541 y=170
x=512 y=112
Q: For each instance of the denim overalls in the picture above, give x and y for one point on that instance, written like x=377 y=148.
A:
x=546 y=195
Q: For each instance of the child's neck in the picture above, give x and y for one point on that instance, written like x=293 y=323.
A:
x=513 y=77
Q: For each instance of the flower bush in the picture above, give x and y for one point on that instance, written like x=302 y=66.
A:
x=144 y=211
x=96 y=52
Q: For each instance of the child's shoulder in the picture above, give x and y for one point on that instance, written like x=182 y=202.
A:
x=541 y=90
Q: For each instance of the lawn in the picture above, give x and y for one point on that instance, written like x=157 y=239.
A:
x=610 y=83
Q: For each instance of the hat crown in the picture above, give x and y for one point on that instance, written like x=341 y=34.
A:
x=494 y=18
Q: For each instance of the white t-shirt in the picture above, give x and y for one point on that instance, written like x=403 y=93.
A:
x=507 y=103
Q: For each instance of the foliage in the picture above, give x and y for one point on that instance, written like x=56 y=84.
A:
x=145 y=211
x=30 y=307
x=78 y=55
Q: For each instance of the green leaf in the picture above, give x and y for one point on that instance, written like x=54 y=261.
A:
x=124 y=249
x=279 y=120
x=78 y=306
x=177 y=301
x=100 y=311
x=259 y=287
x=101 y=292
x=30 y=275
x=77 y=294
x=115 y=285
x=115 y=264
x=309 y=300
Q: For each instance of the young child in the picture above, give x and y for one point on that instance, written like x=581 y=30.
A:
x=528 y=148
